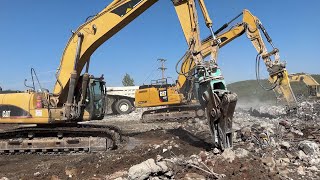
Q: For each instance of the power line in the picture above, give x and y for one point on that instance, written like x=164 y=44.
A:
x=153 y=69
x=162 y=68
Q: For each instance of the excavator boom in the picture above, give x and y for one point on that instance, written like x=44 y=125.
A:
x=90 y=35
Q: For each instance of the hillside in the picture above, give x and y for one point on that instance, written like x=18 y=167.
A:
x=249 y=92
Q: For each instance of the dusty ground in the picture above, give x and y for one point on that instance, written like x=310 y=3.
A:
x=279 y=156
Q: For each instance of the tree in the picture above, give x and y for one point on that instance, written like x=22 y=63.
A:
x=127 y=80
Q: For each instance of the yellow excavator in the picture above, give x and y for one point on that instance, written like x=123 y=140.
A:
x=312 y=85
x=180 y=97
x=52 y=121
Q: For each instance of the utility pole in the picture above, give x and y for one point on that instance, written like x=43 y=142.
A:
x=162 y=68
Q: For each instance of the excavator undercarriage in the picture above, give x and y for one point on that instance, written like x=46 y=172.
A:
x=59 y=138
x=173 y=113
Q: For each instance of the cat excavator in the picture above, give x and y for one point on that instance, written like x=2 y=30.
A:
x=309 y=81
x=180 y=99
x=53 y=121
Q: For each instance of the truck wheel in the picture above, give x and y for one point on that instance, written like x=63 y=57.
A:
x=123 y=106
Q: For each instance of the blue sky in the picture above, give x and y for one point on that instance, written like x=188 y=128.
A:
x=33 y=33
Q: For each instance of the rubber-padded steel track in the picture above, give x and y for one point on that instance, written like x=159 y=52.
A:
x=60 y=138
x=172 y=114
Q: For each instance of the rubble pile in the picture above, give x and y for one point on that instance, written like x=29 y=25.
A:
x=268 y=111
x=309 y=110
x=133 y=116
x=268 y=146
x=162 y=168
x=278 y=142
x=151 y=169
x=293 y=137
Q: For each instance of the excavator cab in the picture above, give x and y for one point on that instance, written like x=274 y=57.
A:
x=314 y=91
x=96 y=98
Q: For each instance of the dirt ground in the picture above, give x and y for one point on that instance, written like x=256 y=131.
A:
x=136 y=149
x=145 y=141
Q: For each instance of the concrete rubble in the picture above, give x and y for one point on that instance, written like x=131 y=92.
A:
x=309 y=147
x=149 y=168
x=268 y=144
x=279 y=141
x=164 y=168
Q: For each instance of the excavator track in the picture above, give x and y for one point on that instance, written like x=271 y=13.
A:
x=60 y=139
x=173 y=114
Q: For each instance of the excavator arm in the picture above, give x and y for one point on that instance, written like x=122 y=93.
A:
x=306 y=78
x=187 y=66
x=252 y=26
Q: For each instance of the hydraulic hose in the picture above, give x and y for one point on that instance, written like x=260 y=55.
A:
x=177 y=64
x=274 y=85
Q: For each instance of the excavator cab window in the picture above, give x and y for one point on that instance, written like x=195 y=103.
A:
x=97 y=93
x=161 y=83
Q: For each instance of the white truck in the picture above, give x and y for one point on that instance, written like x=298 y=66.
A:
x=121 y=99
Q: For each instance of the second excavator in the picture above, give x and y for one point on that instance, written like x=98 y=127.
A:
x=312 y=85
x=181 y=99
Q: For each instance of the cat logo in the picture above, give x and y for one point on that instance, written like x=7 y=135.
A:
x=6 y=114
x=163 y=93
x=163 y=96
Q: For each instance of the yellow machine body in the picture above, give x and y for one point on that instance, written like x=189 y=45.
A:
x=22 y=108
x=157 y=96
